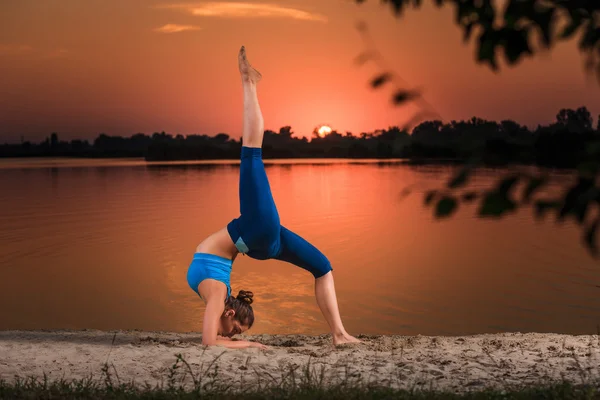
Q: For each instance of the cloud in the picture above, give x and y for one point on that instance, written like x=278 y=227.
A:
x=246 y=10
x=25 y=49
x=174 y=28
x=10 y=49
x=57 y=53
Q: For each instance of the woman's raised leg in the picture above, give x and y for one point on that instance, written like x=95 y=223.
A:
x=258 y=224
x=253 y=128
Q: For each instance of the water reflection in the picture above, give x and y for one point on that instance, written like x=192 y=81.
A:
x=106 y=244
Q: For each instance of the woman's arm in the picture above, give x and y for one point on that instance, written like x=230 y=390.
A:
x=239 y=344
x=210 y=324
x=210 y=327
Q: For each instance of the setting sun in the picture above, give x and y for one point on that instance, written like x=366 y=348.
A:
x=324 y=130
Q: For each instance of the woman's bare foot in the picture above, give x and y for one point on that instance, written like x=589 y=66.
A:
x=249 y=74
x=344 y=338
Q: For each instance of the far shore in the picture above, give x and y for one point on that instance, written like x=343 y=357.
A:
x=78 y=161
x=455 y=363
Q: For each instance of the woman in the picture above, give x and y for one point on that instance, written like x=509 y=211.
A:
x=258 y=234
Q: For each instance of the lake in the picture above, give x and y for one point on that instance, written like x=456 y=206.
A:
x=105 y=244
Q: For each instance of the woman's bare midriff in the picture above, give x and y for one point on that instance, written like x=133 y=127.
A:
x=219 y=244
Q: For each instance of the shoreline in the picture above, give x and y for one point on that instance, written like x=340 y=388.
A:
x=454 y=363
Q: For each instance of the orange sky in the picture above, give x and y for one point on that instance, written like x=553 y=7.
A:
x=125 y=66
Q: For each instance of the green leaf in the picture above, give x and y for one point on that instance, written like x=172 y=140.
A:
x=505 y=186
x=495 y=204
x=486 y=52
x=571 y=28
x=576 y=200
x=517 y=10
x=463 y=10
x=468 y=29
x=403 y=96
x=590 y=35
x=533 y=186
x=543 y=206
x=590 y=236
x=460 y=178
x=469 y=197
x=517 y=43
x=544 y=18
x=429 y=196
x=485 y=12
x=445 y=207
x=398 y=6
x=381 y=79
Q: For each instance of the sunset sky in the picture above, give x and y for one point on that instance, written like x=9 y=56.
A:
x=84 y=67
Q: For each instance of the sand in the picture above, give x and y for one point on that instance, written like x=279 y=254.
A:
x=459 y=363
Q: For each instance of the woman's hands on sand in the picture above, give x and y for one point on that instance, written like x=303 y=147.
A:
x=238 y=344
x=250 y=344
x=258 y=345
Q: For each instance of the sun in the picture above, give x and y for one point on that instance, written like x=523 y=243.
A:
x=324 y=130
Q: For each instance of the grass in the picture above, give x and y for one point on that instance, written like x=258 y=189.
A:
x=308 y=383
x=88 y=389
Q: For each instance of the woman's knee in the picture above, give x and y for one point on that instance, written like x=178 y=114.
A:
x=321 y=270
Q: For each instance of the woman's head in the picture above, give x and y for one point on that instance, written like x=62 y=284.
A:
x=238 y=316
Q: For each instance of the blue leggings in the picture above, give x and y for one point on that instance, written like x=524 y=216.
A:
x=257 y=232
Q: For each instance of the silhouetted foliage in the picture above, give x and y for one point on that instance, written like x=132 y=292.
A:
x=562 y=144
x=508 y=27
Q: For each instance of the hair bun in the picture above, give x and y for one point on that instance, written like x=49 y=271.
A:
x=245 y=296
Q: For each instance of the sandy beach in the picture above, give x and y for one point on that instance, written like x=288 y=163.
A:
x=456 y=363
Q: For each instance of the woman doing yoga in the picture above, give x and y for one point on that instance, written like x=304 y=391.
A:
x=257 y=233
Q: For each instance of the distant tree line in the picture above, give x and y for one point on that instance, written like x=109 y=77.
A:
x=560 y=144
